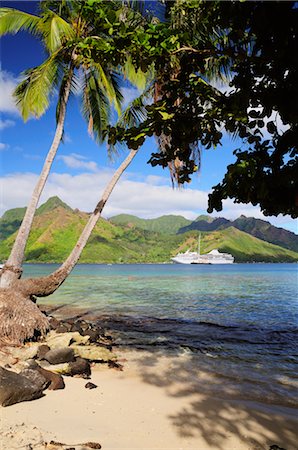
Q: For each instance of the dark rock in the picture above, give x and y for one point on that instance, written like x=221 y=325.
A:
x=114 y=365
x=90 y=385
x=94 y=445
x=54 y=323
x=55 y=379
x=80 y=367
x=63 y=328
x=42 y=351
x=276 y=447
x=76 y=327
x=15 y=388
x=59 y=355
x=93 y=334
x=36 y=378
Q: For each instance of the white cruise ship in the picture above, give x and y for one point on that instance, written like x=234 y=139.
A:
x=213 y=257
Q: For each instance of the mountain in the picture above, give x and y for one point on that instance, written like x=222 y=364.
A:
x=267 y=232
x=165 y=224
x=206 y=223
x=12 y=219
x=255 y=227
x=57 y=227
x=10 y=222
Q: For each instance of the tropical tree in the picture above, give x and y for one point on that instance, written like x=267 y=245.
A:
x=20 y=318
x=259 y=104
x=80 y=39
x=67 y=30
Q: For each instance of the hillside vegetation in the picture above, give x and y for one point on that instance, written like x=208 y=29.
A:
x=128 y=239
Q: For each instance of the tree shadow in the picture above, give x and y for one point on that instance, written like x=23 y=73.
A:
x=216 y=410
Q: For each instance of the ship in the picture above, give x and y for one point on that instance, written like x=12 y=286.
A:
x=213 y=257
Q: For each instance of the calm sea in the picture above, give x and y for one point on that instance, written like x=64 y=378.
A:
x=238 y=322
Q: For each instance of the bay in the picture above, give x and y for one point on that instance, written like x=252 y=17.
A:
x=238 y=322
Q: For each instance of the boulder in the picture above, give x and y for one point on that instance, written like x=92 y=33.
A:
x=59 y=355
x=58 y=340
x=42 y=350
x=55 y=380
x=93 y=352
x=36 y=377
x=80 y=367
x=15 y=388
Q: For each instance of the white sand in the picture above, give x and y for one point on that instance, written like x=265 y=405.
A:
x=144 y=407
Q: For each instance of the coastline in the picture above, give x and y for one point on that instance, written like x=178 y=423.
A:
x=154 y=403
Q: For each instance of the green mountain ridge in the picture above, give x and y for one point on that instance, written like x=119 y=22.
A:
x=57 y=227
x=255 y=227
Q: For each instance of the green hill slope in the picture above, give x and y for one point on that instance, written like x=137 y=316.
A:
x=12 y=219
x=55 y=232
x=165 y=224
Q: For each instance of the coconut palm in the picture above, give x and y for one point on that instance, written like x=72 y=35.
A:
x=66 y=31
x=16 y=301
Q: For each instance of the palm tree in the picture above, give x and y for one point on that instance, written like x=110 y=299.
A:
x=16 y=301
x=64 y=30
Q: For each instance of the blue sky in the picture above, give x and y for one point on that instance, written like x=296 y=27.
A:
x=82 y=168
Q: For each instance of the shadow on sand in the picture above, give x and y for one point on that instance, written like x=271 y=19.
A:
x=216 y=410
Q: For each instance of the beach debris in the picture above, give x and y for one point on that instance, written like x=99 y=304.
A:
x=115 y=365
x=90 y=385
x=59 y=355
x=15 y=388
x=59 y=446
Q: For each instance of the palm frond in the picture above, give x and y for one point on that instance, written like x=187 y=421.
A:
x=55 y=30
x=107 y=80
x=135 y=77
x=12 y=21
x=95 y=105
x=33 y=93
x=136 y=111
x=69 y=76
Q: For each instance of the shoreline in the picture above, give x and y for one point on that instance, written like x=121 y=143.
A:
x=154 y=403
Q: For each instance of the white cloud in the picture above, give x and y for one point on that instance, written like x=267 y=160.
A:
x=129 y=94
x=6 y=123
x=67 y=139
x=7 y=85
x=3 y=146
x=76 y=161
x=145 y=198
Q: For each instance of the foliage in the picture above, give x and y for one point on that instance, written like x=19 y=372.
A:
x=253 y=42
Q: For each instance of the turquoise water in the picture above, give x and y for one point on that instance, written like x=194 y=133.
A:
x=238 y=321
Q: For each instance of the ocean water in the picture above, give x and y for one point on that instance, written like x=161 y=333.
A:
x=237 y=322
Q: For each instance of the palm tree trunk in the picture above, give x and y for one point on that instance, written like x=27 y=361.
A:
x=12 y=269
x=44 y=286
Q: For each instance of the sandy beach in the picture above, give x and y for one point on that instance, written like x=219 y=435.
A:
x=154 y=403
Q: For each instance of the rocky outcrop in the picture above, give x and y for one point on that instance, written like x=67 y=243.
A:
x=41 y=366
